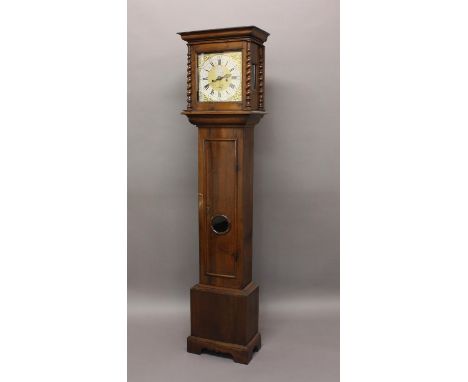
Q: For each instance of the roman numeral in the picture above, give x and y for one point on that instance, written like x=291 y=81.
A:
x=205 y=78
x=206 y=86
x=234 y=77
x=211 y=63
x=219 y=94
x=232 y=69
x=212 y=91
x=231 y=86
x=219 y=61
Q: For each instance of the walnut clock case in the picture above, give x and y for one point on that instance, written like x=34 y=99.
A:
x=225 y=100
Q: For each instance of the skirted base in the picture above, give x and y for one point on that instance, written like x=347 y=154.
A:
x=239 y=353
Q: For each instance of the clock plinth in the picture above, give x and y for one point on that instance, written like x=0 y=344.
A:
x=225 y=98
x=224 y=320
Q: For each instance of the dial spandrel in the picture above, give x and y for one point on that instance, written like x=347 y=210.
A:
x=219 y=77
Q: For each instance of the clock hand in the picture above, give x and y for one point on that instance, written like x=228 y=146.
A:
x=219 y=78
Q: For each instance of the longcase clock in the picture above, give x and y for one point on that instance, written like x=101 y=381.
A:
x=225 y=100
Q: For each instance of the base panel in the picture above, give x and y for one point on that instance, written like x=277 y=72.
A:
x=224 y=320
x=239 y=353
x=224 y=314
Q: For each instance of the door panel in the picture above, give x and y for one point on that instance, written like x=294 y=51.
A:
x=220 y=168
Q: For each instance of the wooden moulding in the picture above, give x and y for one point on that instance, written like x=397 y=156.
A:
x=248 y=32
x=224 y=320
x=224 y=118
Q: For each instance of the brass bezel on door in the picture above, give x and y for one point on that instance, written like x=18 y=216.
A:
x=220 y=232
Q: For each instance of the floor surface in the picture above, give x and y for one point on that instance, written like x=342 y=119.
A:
x=300 y=342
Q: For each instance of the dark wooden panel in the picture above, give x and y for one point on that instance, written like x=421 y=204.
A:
x=225 y=188
x=222 y=314
x=220 y=156
x=246 y=205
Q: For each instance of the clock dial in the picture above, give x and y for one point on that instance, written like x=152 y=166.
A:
x=219 y=77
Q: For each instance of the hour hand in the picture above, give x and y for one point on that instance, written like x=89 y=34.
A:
x=219 y=78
